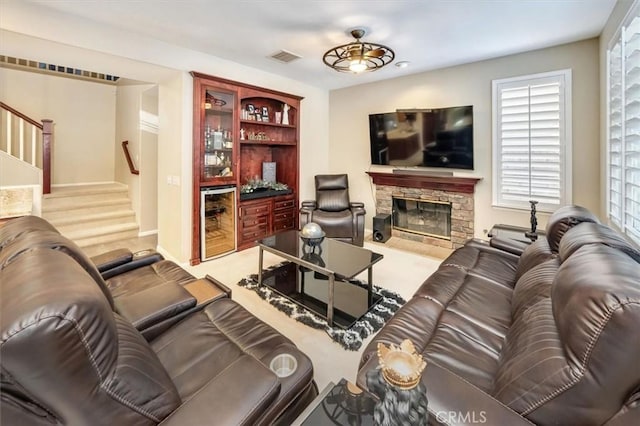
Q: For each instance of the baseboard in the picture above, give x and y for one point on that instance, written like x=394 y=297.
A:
x=169 y=256
x=147 y=233
x=61 y=185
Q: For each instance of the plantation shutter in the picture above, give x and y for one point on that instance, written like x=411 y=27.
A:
x=615 y=134
x=623 y=205
x=632 y=128
x=530 y=141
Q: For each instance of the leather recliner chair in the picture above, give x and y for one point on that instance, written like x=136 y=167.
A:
x=340 y=218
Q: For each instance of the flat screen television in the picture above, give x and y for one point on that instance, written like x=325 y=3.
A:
x=426 y=137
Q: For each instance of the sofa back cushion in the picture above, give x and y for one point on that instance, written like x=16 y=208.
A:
x=564 y=219
x=17 y=227
x=43 y=238
x=595 y=233
x=573 y=358
x=534 y=285
x=533 y=255
x=64 y=351
x=332 y=192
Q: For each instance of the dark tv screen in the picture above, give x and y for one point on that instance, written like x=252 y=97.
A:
x=426 y=138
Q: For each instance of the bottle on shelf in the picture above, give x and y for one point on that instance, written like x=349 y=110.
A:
x=217 y=138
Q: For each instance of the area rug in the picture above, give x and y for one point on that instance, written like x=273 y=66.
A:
x=351 y=338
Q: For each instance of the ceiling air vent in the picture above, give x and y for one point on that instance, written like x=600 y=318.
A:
x=284 y=56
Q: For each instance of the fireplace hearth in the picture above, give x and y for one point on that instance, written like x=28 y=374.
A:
x=432 y=218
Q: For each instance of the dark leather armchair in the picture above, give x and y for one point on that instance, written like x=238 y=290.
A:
x=68 y=355
x=333 y=211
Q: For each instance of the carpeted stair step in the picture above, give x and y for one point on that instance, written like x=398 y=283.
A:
x=74 y=197
x=91 y=214
x=102 y=235
x=83 y=221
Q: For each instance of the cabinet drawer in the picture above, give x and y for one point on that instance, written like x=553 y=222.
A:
x=255 y=232
x=254 y=210
x=283 y=214
x=284 y=204
x=249 y=221
x=279 y=225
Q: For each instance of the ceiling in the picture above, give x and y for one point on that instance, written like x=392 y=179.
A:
x=430 y=34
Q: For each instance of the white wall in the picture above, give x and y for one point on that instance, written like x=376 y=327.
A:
x=83 y=113
x=470 y=84
x=142 y=147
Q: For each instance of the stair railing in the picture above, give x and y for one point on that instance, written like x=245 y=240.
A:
x=27 y=150
x=132 y=168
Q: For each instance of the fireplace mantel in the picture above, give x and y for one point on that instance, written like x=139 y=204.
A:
x=465 y=185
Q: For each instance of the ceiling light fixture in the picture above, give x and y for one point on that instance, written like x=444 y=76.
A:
x=358 y=56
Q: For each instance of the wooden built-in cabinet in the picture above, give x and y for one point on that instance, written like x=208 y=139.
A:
x=238 y=127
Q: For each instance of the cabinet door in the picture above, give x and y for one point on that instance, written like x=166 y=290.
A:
x=217 y=135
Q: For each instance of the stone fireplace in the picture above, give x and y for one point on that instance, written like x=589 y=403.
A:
x=443 y=204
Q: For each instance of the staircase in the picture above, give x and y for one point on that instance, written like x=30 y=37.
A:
x=91 y=214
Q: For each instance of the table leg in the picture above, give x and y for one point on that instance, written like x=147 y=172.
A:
x=260 y=266
x=370 y=286
x=332 y=280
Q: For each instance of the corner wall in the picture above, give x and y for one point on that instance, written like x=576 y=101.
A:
x=470 y=84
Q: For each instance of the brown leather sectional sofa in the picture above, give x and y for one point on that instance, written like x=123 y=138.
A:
x=119 y=341
x=547 y=333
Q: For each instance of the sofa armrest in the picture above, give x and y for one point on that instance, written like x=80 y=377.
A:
x=508 y=245
x=139 y=259
x=237 y=396
x=454 y=401
x=154 y=305
x=112 y=259
x=309 y=204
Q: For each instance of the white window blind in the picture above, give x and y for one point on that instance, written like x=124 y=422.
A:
x=531 y=140
x=623 y=162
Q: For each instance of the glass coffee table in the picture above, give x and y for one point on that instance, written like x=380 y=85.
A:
x=339 y=404
x=318 y=278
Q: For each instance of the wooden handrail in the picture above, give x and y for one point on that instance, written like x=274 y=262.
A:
x=132 y=168
x=47 y=145
x=21 y=115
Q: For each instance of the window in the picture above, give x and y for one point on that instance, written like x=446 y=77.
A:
x=623 y=127
x=532 y=140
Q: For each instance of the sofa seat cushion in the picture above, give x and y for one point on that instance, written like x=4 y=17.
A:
x=483 y=261
x=162 y=272
x=198 y=350
x=337 y=224
x=463 y=321
x=464 y=310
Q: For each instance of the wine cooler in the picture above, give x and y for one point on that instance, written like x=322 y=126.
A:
x=217 y=221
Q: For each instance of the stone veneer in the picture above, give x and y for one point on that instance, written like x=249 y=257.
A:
x=461 y=199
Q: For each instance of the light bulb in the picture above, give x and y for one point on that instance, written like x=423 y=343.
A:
x=358 y=66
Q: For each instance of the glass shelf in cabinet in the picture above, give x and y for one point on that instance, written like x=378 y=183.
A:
x=268 y=123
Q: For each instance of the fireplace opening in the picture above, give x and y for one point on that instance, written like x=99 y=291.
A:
x=432 y=218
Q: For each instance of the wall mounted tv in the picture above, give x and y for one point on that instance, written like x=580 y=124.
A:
x=423 y=137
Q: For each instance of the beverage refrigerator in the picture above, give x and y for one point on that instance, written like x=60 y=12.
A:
x=217 y=221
